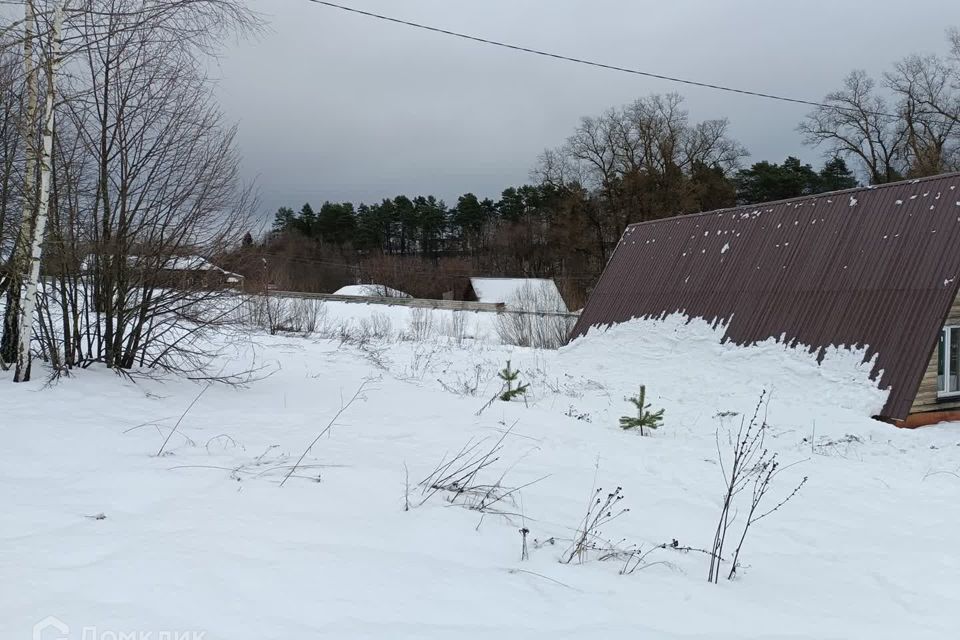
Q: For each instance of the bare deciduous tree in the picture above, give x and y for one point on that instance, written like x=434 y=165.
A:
x=930 y=112
x=856 y=122
x=640 y=161
x=912 y=130
x=34 y=243
x=143 y=186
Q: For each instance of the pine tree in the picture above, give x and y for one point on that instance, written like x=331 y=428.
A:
x=836 y=176
x=284 y=219
x=644 y=417
x=307 y=221
x=510 y=376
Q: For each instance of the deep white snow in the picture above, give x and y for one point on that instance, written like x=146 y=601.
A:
x=204 y=539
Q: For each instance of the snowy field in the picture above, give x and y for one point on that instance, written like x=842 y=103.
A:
x=103 y=533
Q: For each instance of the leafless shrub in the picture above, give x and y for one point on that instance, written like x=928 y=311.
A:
x=537 y=317
x=266 y=312
x=467 y=384
x=601 y=510
x=750 y=468
x=376 y=354
x=377 y=327
x=305 y=315
x=539 y=331
x=841 y=447
x=637 y=558
x=455 y=326
x=276 y=314
x=422 y=359
x=459 y=478
x=421 y=325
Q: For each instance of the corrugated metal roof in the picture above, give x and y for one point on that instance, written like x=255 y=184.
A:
x=877 y=267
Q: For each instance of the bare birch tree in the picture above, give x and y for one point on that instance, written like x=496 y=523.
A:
x=12 y=321
x=11 y=96
x=34 y=242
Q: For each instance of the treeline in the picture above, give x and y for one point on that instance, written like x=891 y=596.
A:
x=425 y=225
x=543 y=230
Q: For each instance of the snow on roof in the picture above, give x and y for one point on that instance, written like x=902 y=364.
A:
x=190 y=263
x=371 y=291
x=176 y=263
x=198 y=263
x=531 y=294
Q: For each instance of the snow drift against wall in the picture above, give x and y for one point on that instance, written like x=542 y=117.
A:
x=689 y=361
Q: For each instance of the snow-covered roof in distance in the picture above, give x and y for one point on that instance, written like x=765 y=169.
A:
x=198 y=263
x=177 y=263
x=371 y=291
x=190 y=263
x=530 y=294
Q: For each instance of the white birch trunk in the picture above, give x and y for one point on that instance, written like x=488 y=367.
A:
x=32 y=279
x=21 y=250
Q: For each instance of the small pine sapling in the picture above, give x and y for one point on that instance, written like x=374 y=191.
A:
x=644 y=417
x=509 y=377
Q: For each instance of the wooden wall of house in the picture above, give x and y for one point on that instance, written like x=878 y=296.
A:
x=926 y=399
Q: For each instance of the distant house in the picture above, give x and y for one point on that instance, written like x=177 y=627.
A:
x=179 y=271
x=876 y=268
x=527 y=294
x=370 y=291
x=196 y=271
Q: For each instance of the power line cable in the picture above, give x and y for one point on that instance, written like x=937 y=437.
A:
x=591 y=63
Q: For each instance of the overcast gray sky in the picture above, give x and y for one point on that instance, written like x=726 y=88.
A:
x=334 y=106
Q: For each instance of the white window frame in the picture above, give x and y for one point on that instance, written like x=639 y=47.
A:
x=947 y=372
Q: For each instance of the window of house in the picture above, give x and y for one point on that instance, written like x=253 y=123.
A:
x=948 y=363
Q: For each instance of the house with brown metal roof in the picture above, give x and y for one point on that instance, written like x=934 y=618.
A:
x=875 y=268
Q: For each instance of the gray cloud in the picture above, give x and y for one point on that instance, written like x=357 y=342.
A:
x=333 y=106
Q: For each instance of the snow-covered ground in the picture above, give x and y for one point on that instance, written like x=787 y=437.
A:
x=101 y=532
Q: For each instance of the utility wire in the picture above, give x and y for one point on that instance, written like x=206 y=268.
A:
x=591 y=63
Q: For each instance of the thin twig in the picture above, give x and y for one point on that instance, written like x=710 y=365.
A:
x=343 y=407
x=184 y=415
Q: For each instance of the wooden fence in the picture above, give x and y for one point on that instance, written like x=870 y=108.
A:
x=449 y=305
